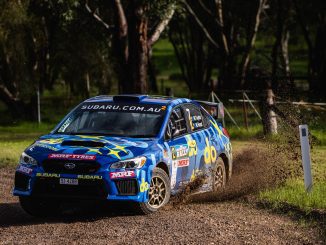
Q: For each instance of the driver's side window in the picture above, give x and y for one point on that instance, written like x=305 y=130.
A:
x=177 y=125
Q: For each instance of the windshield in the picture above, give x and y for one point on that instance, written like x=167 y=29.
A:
x=112 y=119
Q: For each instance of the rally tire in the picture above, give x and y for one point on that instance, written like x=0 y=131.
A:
x=40 y=207
x=159 y=180
x=219 y=175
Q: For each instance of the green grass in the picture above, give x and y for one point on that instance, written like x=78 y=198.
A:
x=168 y=70
x=23 y=131
x=14 y=139
x=165 y=60
x=11 y=151
x=244 y=134
x=293 y=191
x=320 y=134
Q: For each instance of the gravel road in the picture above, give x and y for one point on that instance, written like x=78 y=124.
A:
x=205 y=221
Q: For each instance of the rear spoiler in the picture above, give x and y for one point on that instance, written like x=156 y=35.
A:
x=216 y=110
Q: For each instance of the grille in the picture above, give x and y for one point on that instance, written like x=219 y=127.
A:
x=21 y=181
x=127 y=187
x=58 y=166
x=86 y=189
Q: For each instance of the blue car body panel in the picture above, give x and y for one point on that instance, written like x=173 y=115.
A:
x=185 y=157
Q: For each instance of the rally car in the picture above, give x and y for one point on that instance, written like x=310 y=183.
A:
x=135 y=148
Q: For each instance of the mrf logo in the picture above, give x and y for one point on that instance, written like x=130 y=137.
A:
x=182 y=163
x=123 y=174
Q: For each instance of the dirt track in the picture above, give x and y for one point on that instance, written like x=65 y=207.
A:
x=209 y=219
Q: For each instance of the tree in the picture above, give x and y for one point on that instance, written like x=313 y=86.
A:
x=231 y=27
x=192 y=51
x=134 y=31
x=311 y=16
x=44 y=41
x=280 y=21
x=18 y=65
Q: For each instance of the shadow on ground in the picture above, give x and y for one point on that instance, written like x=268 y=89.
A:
x=11 y=214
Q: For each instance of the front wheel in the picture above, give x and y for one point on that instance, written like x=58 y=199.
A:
x=159 y=192
x=219 y=175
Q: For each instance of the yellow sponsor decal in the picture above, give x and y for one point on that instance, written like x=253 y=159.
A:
x=210 y=154
x=51 y=141
x=92 y=177
x=90 y=137
x=114 y=153
x=120 y=148
x=48 y=175
x=94 y=150
x=144 y=186
x=220 y=133
x=190 y=120
x=192 y=146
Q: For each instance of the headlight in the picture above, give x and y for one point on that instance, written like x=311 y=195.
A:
x=137 y=162
x=26 y=159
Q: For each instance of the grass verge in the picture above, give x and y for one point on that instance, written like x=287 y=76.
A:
x=293 y=192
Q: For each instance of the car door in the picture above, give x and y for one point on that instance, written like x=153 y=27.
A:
x=176 y=140
x=199 y=138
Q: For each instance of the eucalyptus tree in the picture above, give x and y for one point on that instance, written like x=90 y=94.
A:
x=134 y=27
x=231 y=28
x=18 y=61
x=311 y=17
x=193 y=51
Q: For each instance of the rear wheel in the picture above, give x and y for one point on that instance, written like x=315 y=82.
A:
x=219 y=175
x=40 y=207
x=159 y=192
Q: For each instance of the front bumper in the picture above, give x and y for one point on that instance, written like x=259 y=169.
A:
x=100 y=185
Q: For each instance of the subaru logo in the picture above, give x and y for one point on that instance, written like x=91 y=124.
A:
x=70 y=165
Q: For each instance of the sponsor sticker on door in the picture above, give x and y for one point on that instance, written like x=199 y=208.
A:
x=179 y=151
x=181 y=162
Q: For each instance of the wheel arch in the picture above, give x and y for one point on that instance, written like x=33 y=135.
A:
x=227 y=165
x=164 y=166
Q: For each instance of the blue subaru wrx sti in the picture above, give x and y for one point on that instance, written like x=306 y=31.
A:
x=134 y=148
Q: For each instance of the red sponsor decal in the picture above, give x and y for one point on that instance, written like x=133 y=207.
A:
x=72 y=156
x=183 y=163
x=123 y=174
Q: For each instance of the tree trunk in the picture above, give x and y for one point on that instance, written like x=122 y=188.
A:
x=17 y=108
x=250 y=44
x=269 y=119
x=228 y=78
x=285 y=59
x=152 y=74
x=87 y=85
x=319 y=61
x=138 y=51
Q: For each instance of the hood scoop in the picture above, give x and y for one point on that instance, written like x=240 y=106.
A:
x=83 y=143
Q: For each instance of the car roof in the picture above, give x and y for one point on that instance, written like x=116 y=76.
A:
x=142 y=99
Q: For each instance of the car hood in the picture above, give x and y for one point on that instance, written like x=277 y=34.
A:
x=104 y=149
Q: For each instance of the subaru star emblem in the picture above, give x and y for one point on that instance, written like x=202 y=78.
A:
x=70 y=165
